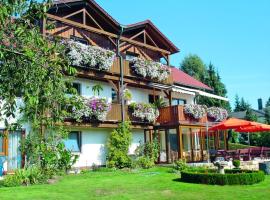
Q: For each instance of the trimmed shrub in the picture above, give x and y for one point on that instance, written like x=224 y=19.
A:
x=231 y=177
x=236 y=163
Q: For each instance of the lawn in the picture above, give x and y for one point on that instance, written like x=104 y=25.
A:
x=157 y=183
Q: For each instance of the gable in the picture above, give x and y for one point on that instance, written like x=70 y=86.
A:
x=86 y=12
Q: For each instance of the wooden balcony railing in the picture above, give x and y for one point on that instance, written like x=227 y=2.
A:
x=175 y=115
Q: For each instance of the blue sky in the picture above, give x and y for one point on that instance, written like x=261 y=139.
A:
x=233 y=34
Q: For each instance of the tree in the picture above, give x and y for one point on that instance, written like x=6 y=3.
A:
x=267 y=111
x=241 y=105
x=35 y=68
x=268 y=103
x=194 y=66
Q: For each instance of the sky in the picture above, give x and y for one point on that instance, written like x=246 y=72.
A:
x=234 y=35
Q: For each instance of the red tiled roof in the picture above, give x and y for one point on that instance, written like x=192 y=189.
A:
x=182 y=78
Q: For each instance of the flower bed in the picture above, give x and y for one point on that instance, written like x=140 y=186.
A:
x=231 y=177
x=144 y=112
x=94 y=108
x=82 y=55
x=150 y=69
x=195 y=111
x=218 y=114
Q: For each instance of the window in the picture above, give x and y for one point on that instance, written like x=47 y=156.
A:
x=152 y=98
x=130 y=56
x=73 y=143
x=176 y=102
x=114 y=95
x=78 y=39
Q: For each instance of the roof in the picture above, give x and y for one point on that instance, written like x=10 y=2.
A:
x=146 y=23
x=149 y=23
x=56 y=2
x=180 y=77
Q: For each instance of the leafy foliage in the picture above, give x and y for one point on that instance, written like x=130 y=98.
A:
x=180 y=165
x=34 y=68
x=194 y=66
x=97 y=88
x=118 y=147
x=147 y=154
x=236 y=163
x=26 y=177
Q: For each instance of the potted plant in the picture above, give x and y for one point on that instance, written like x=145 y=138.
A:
x=127 y=95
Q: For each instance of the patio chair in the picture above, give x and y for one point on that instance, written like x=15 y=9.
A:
x=244 y=154
x=256 y=152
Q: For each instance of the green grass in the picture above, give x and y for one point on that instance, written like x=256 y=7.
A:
x=156 y=183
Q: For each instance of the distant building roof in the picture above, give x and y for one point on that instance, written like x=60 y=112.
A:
x=180 y=77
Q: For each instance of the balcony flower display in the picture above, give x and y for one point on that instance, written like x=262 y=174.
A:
x=144 y=112
x=87 y=56
x=219 y=114
x=94 y=108
x=150 y=69
x=196 y=111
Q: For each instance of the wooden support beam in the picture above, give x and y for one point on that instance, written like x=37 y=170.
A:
x=133 y=37
x=72 y=14
x=113 y=85
x=95 y=30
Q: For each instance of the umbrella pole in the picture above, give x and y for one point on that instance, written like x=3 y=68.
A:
x=248 y=139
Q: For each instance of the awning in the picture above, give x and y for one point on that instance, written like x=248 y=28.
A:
x=199 y=92
x=178 y=90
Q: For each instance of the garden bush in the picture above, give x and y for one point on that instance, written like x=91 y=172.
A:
x=118 y=147
x=236 y=163
x=180 y=165
x=231 y=177
x=26 y=177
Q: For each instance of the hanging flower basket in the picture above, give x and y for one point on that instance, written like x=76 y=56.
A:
x=195 y=111
x=144 y=112
x=150 y=69
x=218 y=114
x=94 y=108
x=87 y=56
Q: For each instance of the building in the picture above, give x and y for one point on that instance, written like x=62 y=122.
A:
x=86 y=25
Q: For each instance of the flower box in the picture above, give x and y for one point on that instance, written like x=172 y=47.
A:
x=86 y=56
x=149 y=69
x=144 y=112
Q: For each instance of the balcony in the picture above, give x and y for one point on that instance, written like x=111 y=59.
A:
x=174 y=115
x=113 y=118
x=129 y=74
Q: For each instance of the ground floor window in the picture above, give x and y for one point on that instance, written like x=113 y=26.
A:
x=73 y=142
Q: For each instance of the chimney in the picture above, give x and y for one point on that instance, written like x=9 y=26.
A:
x=260 y=104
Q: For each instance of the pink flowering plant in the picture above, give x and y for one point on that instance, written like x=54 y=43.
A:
x=94 y=108
x=195 y=111
x=150 y=69
x=87 y=56
x=218 y=114
x=144 y=111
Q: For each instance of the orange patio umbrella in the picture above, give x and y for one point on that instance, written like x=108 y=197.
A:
x=232 y=123
x=257 y=128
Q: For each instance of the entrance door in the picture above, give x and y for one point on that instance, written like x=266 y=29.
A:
x=14 y=154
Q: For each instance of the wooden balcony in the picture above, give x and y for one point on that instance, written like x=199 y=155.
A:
x=112 y=119
x=128 y=72
x=174 y=115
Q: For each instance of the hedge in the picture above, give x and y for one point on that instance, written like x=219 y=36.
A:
x=231 y=177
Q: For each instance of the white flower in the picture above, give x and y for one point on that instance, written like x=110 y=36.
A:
x=151 y=69
x=82 y=55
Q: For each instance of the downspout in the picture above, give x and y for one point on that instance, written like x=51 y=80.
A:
x=121 y=75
